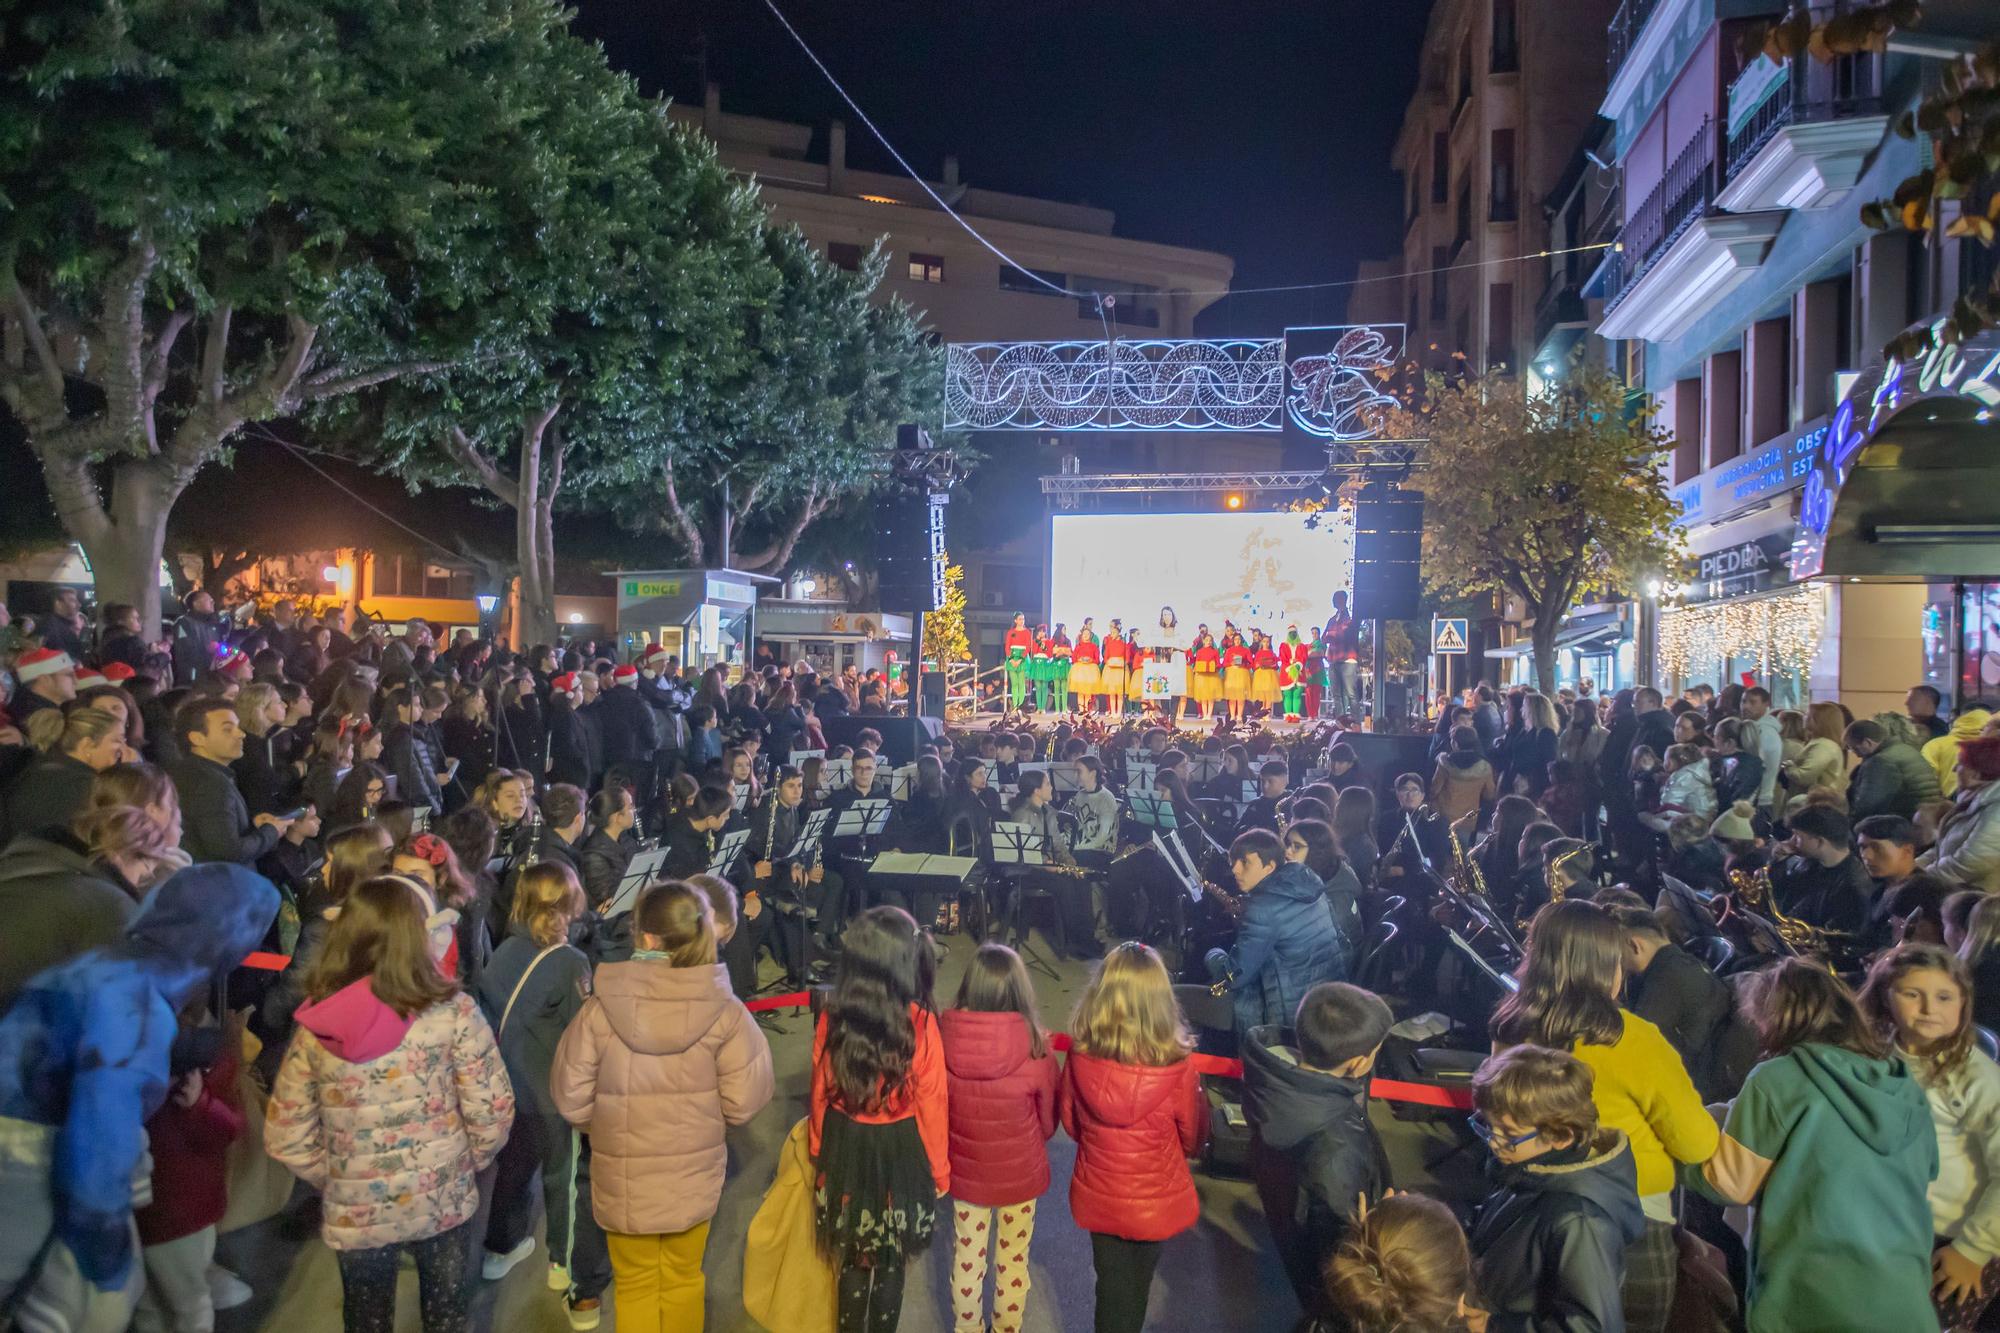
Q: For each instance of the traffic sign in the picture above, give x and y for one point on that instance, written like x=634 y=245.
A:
x=1448 y=636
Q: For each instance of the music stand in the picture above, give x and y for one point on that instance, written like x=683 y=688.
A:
x=1152 y=811
x=809 y=835
x=864 y=819
x=1141 y=777
x=727 y=849
x=1020 y=845
x=1062 y=781
x=742 y=795
x=1203 y=767
x=639 y=872
x=900 y=782
x=835 y=774
x=1492 y=973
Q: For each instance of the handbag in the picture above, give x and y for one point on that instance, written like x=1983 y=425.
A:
x=788 y=1287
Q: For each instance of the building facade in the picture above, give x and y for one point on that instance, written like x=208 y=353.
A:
x=1747 y=297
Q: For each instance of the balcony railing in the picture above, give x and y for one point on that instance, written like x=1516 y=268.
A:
x=1684 y=194
x=1808 y=92
x=1626 y=25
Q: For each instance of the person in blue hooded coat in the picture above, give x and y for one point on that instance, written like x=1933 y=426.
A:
x=83 y=1063
x=1286 y=942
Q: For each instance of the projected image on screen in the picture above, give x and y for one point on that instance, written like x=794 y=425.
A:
x=1261 y=570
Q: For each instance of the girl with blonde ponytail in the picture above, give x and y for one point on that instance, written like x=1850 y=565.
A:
x=1405 y=1269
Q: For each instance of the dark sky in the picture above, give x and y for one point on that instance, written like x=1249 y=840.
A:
x=1260 y=128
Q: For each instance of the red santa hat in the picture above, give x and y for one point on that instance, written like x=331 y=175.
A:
x=39 y=662
x=230 y=660
x=88 y=676
x=563 y=684
x=655 y=657
x=117 y=673
x=622 y=674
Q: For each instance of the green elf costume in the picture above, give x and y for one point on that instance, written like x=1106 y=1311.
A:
x=1041 y=666
x=1059 y=651
x=1020 y=641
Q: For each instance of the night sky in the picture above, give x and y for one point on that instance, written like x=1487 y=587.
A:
x=1260 y=129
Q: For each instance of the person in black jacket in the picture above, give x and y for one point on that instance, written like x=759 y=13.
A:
x=629 y=733
x=195 y=636
x=572 y=749
x=1313 y=1153
x=1550 y=1241
x=215 y=823
x=118 y=637
x=565 y=814
x=50 y=791
x=1673 y=990
x=610 y=846
x=691 y=833
x=264 y=774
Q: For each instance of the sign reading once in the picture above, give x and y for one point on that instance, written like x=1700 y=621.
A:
x=652 y=587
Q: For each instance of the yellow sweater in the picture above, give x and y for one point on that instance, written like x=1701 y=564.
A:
x=1643 y=1088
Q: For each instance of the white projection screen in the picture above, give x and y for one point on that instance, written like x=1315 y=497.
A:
x=1261 y=570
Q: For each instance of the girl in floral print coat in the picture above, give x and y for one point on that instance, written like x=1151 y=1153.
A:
x=390 y=1100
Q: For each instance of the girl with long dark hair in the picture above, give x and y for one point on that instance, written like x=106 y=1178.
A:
x=879 y=1135
x=1568 y=1000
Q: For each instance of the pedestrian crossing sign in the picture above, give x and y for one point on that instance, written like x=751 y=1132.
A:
x=1448 y=636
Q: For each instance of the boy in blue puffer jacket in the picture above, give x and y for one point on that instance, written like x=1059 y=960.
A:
x=84 y=1053
x=1286 y=942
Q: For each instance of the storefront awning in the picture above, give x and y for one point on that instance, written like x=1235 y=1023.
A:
x=1591 y=632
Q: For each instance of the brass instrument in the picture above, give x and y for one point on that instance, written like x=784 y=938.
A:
x=1463 y=868
x=1752 y=891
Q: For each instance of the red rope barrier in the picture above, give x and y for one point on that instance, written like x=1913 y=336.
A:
x=1382 y=1089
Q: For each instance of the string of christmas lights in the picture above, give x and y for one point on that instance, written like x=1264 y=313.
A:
x=1782 y=632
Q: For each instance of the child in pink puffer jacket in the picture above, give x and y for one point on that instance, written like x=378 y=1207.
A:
x=390 y=1100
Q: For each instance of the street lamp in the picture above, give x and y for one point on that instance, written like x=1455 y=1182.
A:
x=1654 y=587
x=487 y=603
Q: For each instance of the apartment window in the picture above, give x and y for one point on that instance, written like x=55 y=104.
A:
x=1440 y=286
x=1506 y=203
x=926 y=268
x=1506 y=38
x=1440 y=167
x=1499 y=325
x=1464 y=76
x=841 y=254
x=1013 y=280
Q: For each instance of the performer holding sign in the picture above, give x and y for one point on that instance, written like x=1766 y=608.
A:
x=1019 y=643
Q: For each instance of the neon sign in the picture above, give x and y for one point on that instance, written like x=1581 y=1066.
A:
x=1945 y=371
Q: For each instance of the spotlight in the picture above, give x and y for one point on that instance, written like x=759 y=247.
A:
x=576 y=617
x=1233 y=500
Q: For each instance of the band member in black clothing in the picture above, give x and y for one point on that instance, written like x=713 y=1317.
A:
x=692 y=833
x=1272 y=779
x=800 y=891
x=1404 y=861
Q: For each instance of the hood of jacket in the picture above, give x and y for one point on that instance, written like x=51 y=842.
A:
x=1293 y=880
x=983 y=1047
x=658 y=1009
x=1967 y=725
x=354 y=1024
x=1295 y=1103
x=198 y=924
x=1878 y=1100
x=1468 y=763
x=1608 y=1177
x=35 y=856
x=1122 y=1095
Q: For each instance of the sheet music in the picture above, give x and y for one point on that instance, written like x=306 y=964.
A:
x=799 y=757
x=1203 y=767
x=727 y=849
x=835 y=774
x=809 y=835
x=1141 y=777
x=900 y=782
x=867 y=816
x=1062 y=780
x=920 y=863
x=1017 y=844
x=639 y=872
x=742 y=790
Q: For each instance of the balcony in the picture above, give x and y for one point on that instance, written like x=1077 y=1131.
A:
x=1626 y=25
x=1561 y=306
x=1802 y=131
x=1678 y=255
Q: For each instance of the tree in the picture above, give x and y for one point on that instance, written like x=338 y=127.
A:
x=944 y=628
x=1960 y=191
x=804 y=421
x=1543 y=498
x=213 y=214
x=632 y=252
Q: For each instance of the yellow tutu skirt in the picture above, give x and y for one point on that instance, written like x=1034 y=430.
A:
x=1206 y=687
x=1264 y=686
x=1135 y=685
x=1083 y=678
x=1112 y=682
x=1236 y=684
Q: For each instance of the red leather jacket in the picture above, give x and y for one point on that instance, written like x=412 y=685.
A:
x=1003 y=1108
x=1134 y=1127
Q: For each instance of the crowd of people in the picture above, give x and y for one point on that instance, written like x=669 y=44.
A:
x=1756 y=966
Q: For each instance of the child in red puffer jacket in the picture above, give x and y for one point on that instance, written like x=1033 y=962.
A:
x=1001 y=1077
x=1131 y=1099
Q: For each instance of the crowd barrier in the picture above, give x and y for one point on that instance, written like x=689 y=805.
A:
x=1382 y=1089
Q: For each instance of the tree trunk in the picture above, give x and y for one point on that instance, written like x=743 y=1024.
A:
x=1543 y=635
x=538 y=577
x=123 y=542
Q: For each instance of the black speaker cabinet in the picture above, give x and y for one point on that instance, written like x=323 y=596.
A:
x=1388 y=539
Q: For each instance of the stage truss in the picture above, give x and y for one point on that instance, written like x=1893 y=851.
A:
x=1388 y=457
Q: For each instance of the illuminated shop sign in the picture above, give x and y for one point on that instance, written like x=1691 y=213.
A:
x=1783 y=465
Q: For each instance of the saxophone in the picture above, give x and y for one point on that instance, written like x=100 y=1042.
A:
x=1464 y=869
x=1752 y=890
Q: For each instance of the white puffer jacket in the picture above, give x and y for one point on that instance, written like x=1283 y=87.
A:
x=1968 y=845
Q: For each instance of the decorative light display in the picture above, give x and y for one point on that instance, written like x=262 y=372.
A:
x=1781 y=633
x=1328 y=387
x=1229 y=384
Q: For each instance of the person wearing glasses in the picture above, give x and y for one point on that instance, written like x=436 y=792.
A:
x=1550 y=1242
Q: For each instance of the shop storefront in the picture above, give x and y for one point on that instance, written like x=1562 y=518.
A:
x=704 y=617
x=831 y=637
x=1901 y=515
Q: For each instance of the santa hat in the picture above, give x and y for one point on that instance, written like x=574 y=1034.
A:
x=87 y=676
x=622 y=674
x=39 y=662
x=655 y=657
x=1981 y=754
x=117 y=673
x=563 y=684
x=230 y=660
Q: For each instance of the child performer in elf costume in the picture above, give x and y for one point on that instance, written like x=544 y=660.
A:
x=1135 y=675
x=1039 y=667
x=1292 y=673
x=1059 y=648
x=1264 y=675
x=1316 y=673
x=1204 y=673
x=1020 y=641
x=1083 y=673
x=1111 y=684
x=1235 y=672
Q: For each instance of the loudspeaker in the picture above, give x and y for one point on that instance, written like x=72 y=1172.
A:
x=1388 y=540
x=910 y=549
